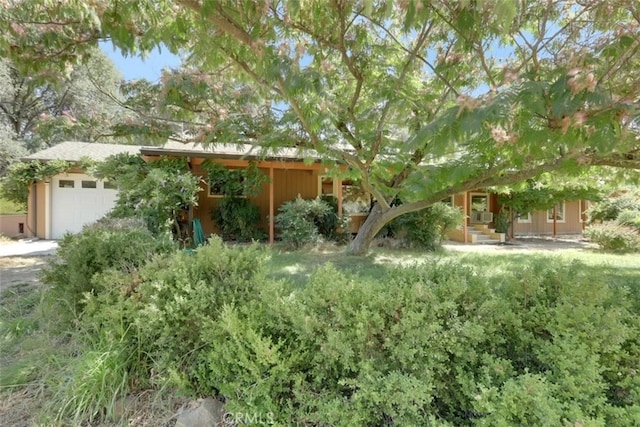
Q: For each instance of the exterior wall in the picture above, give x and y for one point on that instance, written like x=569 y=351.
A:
x=10 y=225
x=573 y=223
x=36 y=209
x=539 y=226
x=287 y=184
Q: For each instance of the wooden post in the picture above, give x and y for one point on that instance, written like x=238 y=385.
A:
x=271 y=209
x=339 y=196
x=464 y=211
x=555 y=213
x=512 y=223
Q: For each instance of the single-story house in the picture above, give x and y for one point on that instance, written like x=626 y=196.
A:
x=67 y=201
x=70 y=200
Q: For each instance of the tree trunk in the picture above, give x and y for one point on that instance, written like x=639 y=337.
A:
x=372 y=225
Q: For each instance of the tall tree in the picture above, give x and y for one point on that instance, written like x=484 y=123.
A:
x=420 y=98
x=43 y=108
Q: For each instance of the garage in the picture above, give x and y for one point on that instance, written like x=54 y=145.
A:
x=78 y=199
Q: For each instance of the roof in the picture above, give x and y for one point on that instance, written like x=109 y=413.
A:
x=230 y=151
x=74 y=151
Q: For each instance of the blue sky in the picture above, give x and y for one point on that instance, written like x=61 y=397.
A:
x=133 y=67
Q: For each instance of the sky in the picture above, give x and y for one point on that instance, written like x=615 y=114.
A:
x=133 y=67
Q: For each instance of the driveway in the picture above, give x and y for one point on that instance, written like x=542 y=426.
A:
x=28 y=247
x=21 y=261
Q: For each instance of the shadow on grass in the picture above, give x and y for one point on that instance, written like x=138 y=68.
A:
x=615 y=269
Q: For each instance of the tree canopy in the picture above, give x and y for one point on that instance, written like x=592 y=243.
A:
x=420 y=98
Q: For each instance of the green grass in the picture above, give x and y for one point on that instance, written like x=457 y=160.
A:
x=297 y=266
x=9 y=207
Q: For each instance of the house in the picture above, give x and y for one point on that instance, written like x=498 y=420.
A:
x=70 y=200
x=67 y=201
x=481 y=209
x=291 y=172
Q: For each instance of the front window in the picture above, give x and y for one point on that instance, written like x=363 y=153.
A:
x=524 y=218
x=559 y=212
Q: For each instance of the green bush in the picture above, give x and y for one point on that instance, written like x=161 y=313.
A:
x=436 y=344
x=427 y=228
x=302 y=222
x=238 y=219
x=610 y=208
x=182 y=296
x=612 y=236
x=430 y=345
x=122 y=244
x=629 y=218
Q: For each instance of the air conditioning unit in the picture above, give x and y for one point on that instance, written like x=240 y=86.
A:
x=481 y=217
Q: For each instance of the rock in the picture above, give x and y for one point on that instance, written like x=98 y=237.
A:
x=202 y=413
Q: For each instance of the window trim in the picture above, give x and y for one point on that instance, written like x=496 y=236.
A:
x=527 y=220
x=564 y=213
x=73 y=183
x=88 y=182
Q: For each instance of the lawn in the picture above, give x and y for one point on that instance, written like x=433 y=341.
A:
x=623 y=269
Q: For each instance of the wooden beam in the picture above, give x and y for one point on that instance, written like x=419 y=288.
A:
x=262 y=164
x=555 y=213
x=271 y=209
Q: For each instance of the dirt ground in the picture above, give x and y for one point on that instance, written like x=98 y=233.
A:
x=21 y=269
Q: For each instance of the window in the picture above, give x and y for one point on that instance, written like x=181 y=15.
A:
x=66 y=183
x=524 y=218
x=89 y=184
x=448 y=201
x=230 y=183
x=108 y=185
x=559 y=213
x=480 y=202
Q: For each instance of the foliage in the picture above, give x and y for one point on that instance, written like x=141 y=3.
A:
x=121 y=244
x=19 y=176
x=238 y=219
x=609 y=208
x=351 y=80
x=245 y=182
x=436 y=343
x=613 y=236
x=503 y=221
x=157 y=191
x=306 y=222
x=614 y=222
x=548 y=190
x=427 y=228
x=629 y=218
x=181 y=298
x=330 y=225
x=45 y=108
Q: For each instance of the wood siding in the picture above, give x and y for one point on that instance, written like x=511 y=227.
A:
x=287 y=185
x=540 y=226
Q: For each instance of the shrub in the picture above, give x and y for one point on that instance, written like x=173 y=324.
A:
x=436 y=344
x=122 y=244
x=630 y=218
x=302 y=222
x=182 y=295
x=613 y=236
x=429 y=345
x=428 y=227
x=610 y=208
x=238 y=219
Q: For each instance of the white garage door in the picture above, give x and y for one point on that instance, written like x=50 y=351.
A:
x=76 y=200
